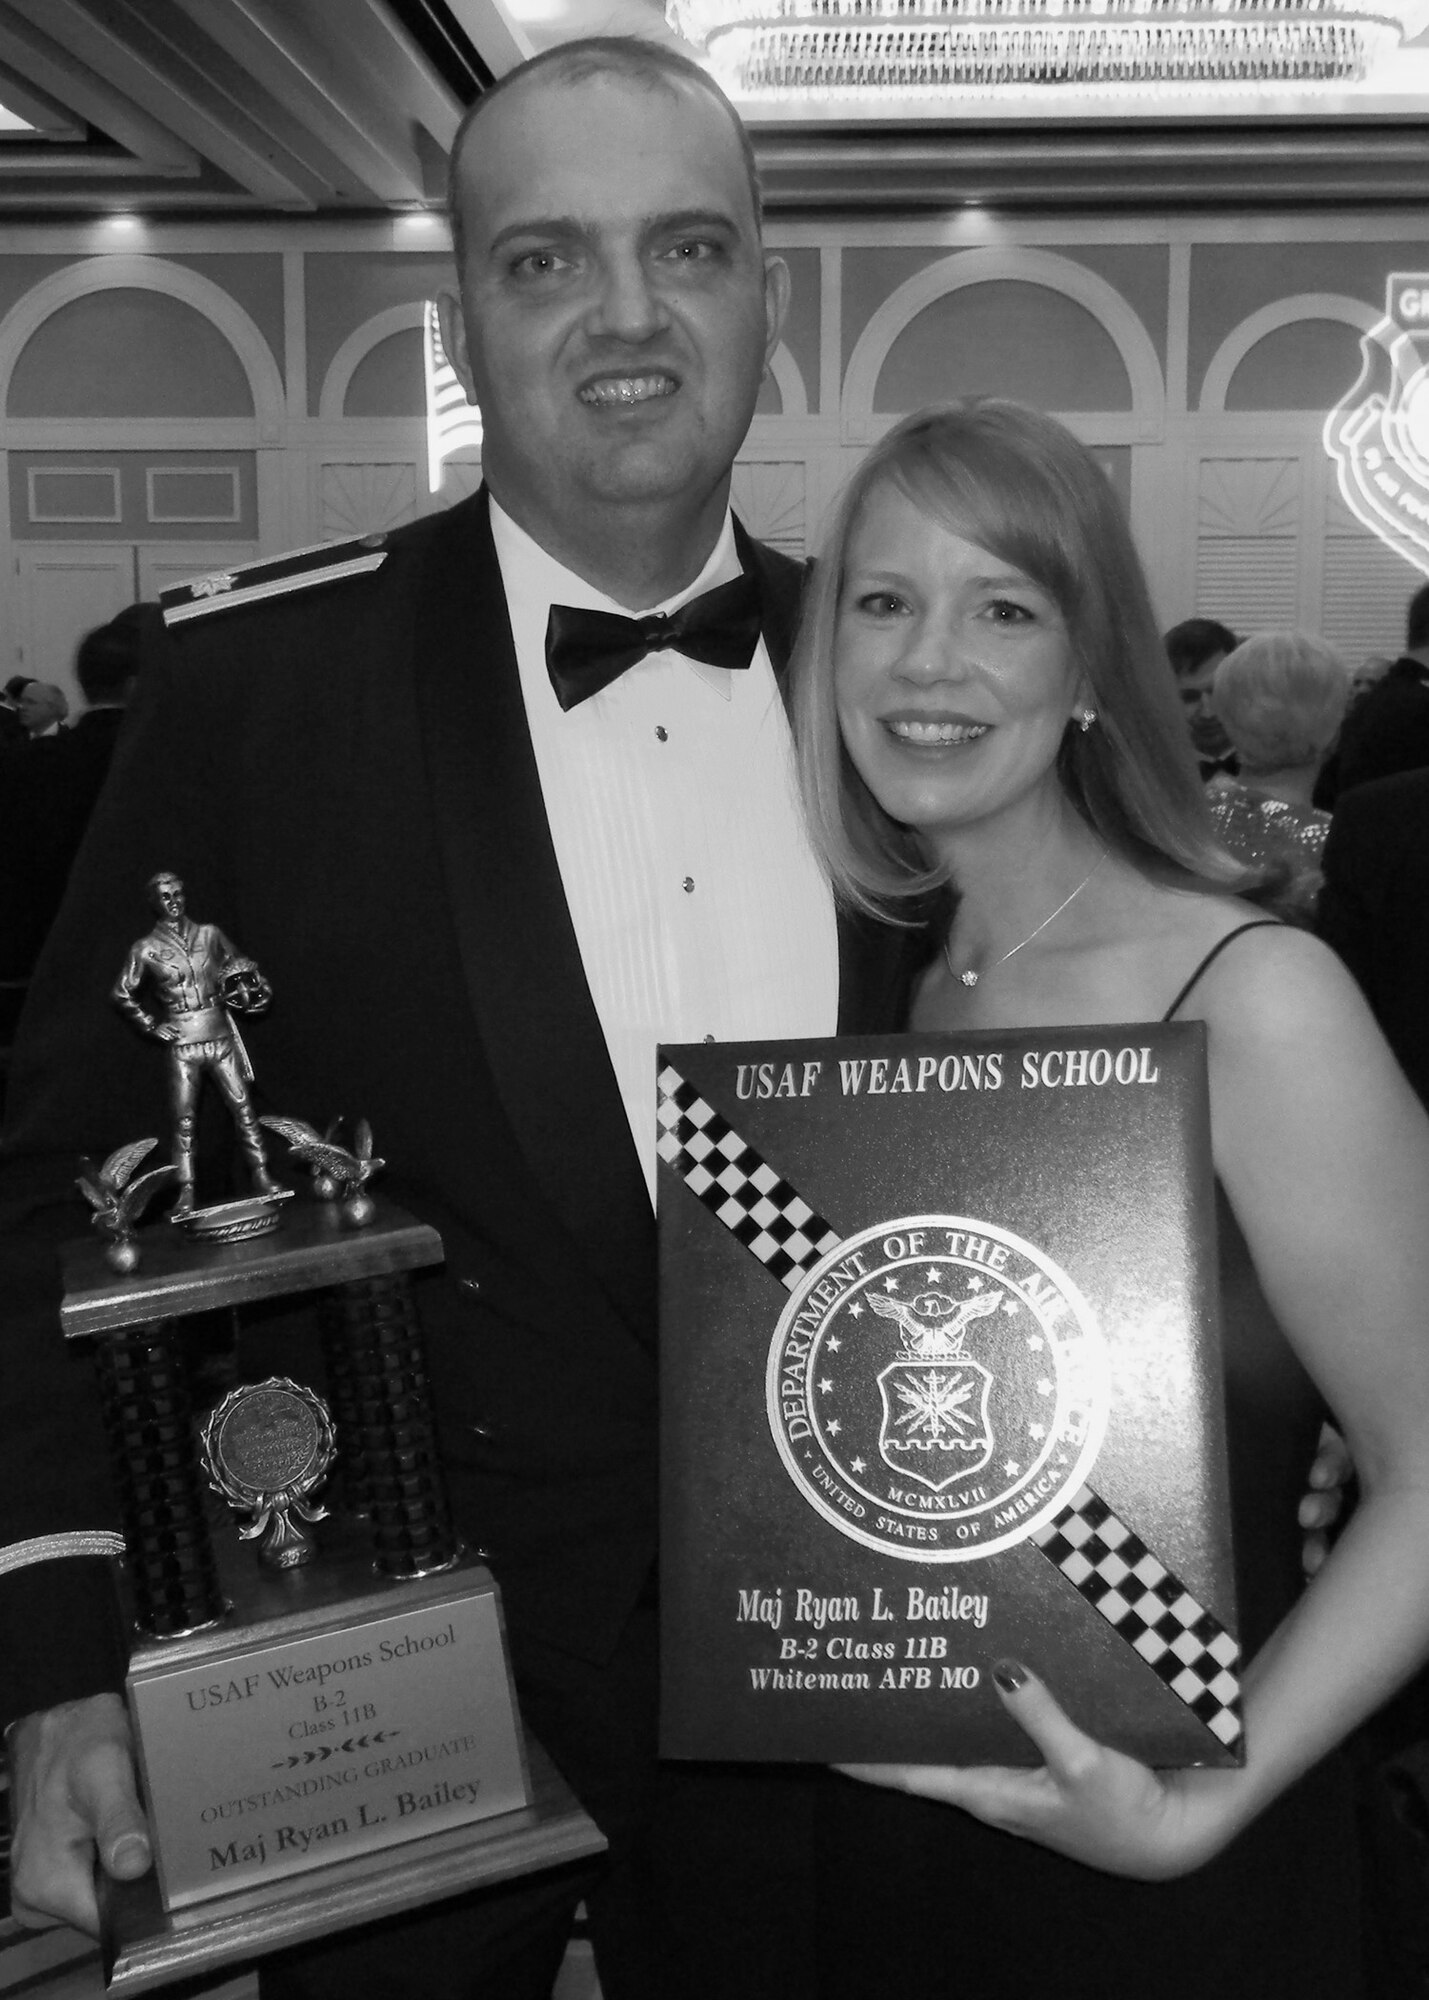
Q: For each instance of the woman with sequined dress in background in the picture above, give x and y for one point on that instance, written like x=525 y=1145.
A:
x=1281 y=696
x=991 y=746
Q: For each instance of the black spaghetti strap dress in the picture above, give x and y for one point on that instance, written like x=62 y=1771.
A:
x=919 y=1899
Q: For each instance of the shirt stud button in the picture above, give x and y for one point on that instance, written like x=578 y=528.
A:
x=688 y=885
x=662 y=734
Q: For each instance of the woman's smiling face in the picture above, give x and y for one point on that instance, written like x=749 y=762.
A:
x=953 y=672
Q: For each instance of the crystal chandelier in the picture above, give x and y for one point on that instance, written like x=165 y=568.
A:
x=841 y=49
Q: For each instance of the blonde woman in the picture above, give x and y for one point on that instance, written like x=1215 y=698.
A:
x=991 y=746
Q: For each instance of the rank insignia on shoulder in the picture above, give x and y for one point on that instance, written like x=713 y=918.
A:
x=272 y=576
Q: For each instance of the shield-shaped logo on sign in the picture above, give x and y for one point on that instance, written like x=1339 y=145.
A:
x=1378 y=435
x=936 y=1427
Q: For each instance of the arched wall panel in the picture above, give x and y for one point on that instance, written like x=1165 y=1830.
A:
x=1196 y=357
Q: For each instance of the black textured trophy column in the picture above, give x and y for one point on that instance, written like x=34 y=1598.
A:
x=148 y=1416
x=391 y=1445
x=343 y=1385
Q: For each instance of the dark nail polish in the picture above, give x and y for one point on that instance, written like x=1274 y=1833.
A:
x=1009 y=1676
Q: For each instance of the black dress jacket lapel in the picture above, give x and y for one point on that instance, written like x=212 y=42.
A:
x=523 y=968
x=522 y=963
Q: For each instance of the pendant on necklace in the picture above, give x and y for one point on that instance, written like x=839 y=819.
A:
x=968 y=978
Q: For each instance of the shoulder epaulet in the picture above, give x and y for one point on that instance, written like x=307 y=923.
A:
x=271 y=576
x=48 y=1548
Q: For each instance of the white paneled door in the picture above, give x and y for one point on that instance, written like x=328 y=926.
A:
x=63 y=590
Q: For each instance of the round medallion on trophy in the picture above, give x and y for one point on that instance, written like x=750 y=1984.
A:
x=266 y=1447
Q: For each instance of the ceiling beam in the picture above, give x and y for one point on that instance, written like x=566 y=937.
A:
x=385 y=44
x=201 y=105
x=48 y=120
x=52 y=68
x=325 y=86
x=497 y=39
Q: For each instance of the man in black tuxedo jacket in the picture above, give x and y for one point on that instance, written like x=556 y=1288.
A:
x=1387 y=729
x=1374 y=911
x=1374 y=908
x=475 y=896
x=48 y=786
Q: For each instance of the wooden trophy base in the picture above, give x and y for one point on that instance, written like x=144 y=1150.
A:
x=145 y=1948
x=291 y=1723
x=332 y=1713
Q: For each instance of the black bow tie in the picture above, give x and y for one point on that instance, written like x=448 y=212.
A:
x=586 y=650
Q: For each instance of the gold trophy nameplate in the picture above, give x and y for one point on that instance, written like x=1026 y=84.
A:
x=329 y=1733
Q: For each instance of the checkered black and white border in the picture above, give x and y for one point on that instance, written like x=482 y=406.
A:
x=1112 y=1568
x=737 y=1185
x=1105 y=1561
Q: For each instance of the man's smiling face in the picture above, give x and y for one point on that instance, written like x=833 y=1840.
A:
x=617 y=308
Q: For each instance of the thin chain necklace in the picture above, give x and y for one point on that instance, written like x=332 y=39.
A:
x=970 y=978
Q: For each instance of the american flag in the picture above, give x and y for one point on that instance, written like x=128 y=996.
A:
x=453 y=424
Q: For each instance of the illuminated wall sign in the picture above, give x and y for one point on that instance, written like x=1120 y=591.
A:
x=453 y=424
x=1378 y=435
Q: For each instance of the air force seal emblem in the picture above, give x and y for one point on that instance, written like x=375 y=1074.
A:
x=937 y=1388
x=1378 y=434
x=936 y=1427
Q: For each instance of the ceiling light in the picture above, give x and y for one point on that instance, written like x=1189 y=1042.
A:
x=840 y=50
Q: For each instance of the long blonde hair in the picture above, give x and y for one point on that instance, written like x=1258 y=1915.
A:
x=1018 y=484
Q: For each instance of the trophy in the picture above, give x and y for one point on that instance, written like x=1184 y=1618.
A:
x=319 y=1686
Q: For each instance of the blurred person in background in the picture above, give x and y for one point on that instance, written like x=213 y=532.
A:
x=1363 y=681
x=12 y=730
x=105 y=666
x=39 y=708
x=1280 y=696
x=1195 y=649
x=1374 y=908
x=1387 y=730
x=1374 y=911
x=49 y=786
x=1369 y=673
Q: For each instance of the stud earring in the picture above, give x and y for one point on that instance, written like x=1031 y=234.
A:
x=1087 y=717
